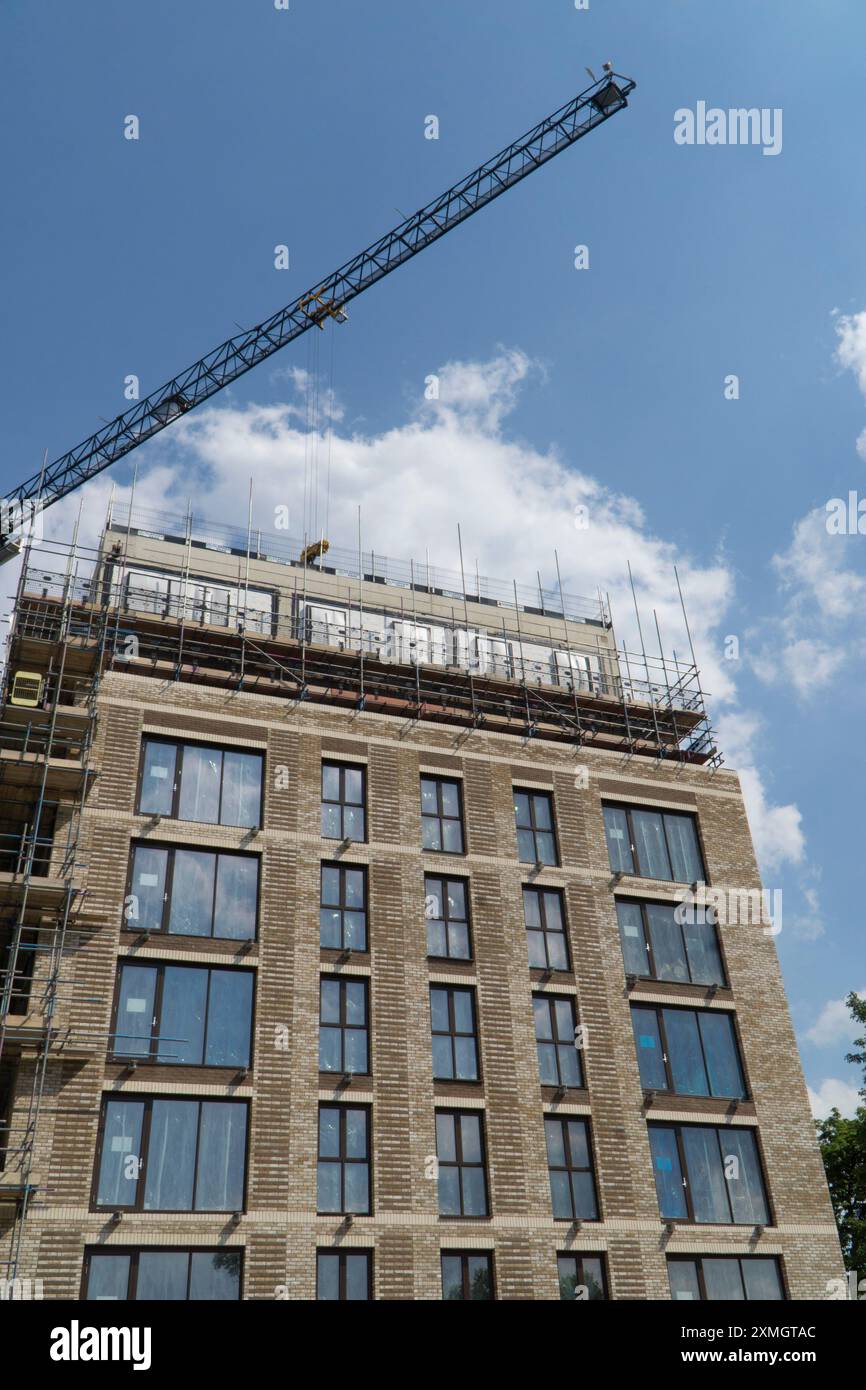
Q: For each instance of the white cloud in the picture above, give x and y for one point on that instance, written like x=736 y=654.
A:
x=452 y=460
x=809 y=925
x=834 y=1093
x=834 y=1025
x=851 y=349
x=776 y=830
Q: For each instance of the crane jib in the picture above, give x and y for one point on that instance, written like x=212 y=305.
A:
x=326 y=301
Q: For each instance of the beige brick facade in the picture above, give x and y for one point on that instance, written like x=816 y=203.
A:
x=279 y=1230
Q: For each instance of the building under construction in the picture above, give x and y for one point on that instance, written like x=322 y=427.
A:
x=343 y=952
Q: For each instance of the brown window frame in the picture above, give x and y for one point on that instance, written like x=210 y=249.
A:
x=659 y=1010
x=144 y=1157
x=343 y=1159
x=160 y=967
x=533 y=795
x=342 y=768
x=170 y=850
x=568 y=1167
x=440 y=816
x=135 y=1251
x=452 y=1034
x=342 y=868
x=545 y=931
x=643 y=904
x=627 y=808
x=464 y=1256
x=181 y=745
x=551 y=1000
x=457 y=1114
x=711 y=1122
x=698 y=1261
x=340 y=1255
x=342 y=981
x=443 y=880
x=579 y=1256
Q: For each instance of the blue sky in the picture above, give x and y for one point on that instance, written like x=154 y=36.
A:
x=260 y=127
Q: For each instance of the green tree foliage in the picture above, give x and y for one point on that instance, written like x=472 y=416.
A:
x=843 y=1146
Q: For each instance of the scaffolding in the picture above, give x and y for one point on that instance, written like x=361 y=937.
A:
x=45 y=740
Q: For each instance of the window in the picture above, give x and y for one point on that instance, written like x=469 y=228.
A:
x=545 y=928
x=455 y=1046
x=344 y=1159
x=343 y=909
x=172 y=1155
x=569 y=1162
x=201 y=782
x=162 y=1275
x=725 y=1279
x=344 y=1276
x=653 y=844
x=555 y=1040
x=192 y=892
x=462 y=1175
x=441 y=818
x=692 y=1052
x=536 y=842
x=446 y=908
x=343 y=1025
x=466 y=1274
x=581 y=1277
x=183 y=1014
x=343 y=801
x=709 y=1174
x=656 y=946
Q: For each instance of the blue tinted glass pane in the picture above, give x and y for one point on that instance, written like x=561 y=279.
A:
x=356 y=1050
x=449 y=1191
x=683 y=845
x=667 y=943
x=443 y=1061
x=547 y=1064
x=135 y=1010
x=720 y=1048
x=478 y=1268
x=631 y=934
x=458 y=941
x=242 y=789
x=353 y=823
x=465 y=1059
x=722 y=1280
x=683 y=1279
x=162 y=1276
x=569 y=1064
x=648 y=1043
x=215 y=1274
x=761 y=1278
x=707 y=1181
x=452 y=1277
x=328 y=1186
x=357 y=1282
x=327 y=1277
x=157 y=778
x=702 y=948
x=143 y=909
x=470 y=1138
x=330 y=929
x=192 y=886
x=474 y=1193
x=184 y=1000
x=354 y=786
x=354 y=888
x=356 y=1133
x=236 y=897
x=450 y=799
x=330 y=886
x=171 y=1156
x=555 y=1143
x=560 y=1193
x=330 y=1053
x=121 y=1147
x=357 y=1178
x=618 y=846
x=439 y=1010
x=108 y=1277
x=356 y=1002
x=650 y=844
x=745 y=1183
x=668 y=1176
x=329 y=1132
x=583 y=1196
x=222 y=1157
x=452 y=837
x=541 y=1012
x=201 y=773
x=688 y=1073
x=545 y=847
x=526 y=846
x=445 y=1139
x=229 y=1018
x=464 y=1021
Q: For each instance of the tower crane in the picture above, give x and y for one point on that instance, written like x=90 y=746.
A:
x=326 y=300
